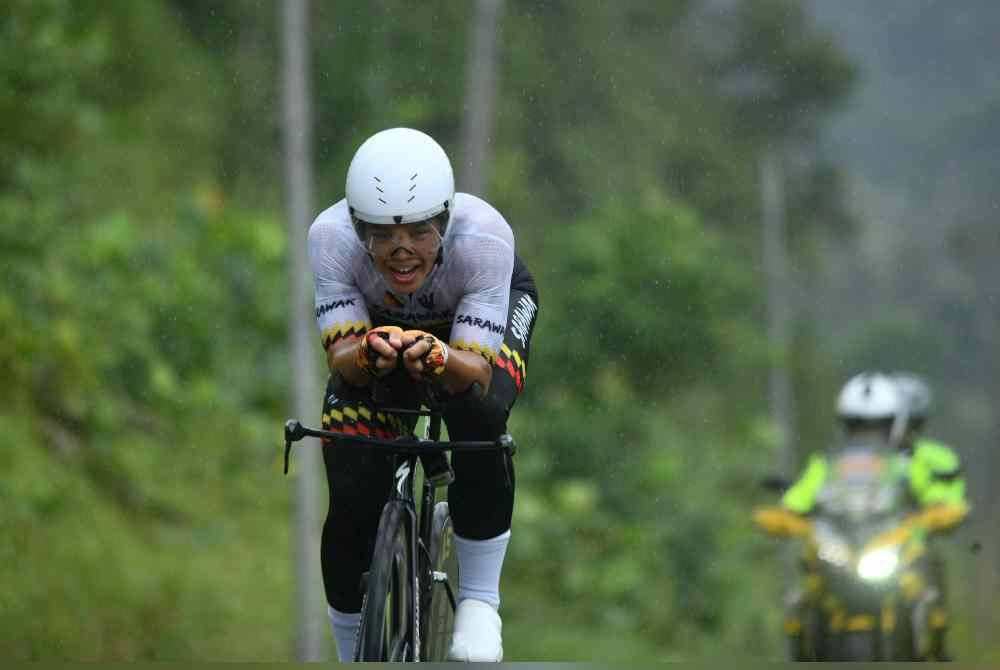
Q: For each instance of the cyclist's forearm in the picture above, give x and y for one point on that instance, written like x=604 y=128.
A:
x=340 y=358
x=464 y=368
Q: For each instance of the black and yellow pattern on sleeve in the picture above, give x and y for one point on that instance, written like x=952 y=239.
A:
x=486 y=352
x=511 y=362
x=339 y=331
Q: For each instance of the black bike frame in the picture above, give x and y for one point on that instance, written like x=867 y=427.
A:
x=406 y=451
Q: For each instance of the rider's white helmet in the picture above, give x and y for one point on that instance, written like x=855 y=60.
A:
x=399 y=175
x=916 y=393
x=869 y=396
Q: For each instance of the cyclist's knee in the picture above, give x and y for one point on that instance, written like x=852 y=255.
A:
x=481 y=418
x=345 y=595
x=482 y=495
x=483 y=521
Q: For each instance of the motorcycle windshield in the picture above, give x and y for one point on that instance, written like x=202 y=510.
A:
x=863 y=496
x=865 y=482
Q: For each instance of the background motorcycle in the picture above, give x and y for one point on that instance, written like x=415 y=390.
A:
x=864 y=596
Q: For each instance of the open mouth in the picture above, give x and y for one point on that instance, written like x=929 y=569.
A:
x=404 y=274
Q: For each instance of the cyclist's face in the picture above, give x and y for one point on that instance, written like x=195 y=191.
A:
x=404 y=253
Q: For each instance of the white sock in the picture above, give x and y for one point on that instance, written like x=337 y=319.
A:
x=345 y=631
x=479 y=565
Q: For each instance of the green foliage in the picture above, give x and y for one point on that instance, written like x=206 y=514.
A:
x=138 y=353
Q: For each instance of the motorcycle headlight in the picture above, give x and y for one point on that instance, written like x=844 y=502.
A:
x=878 y=564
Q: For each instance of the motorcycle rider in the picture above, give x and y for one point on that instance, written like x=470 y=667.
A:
x=891 y=410
x=867 y=407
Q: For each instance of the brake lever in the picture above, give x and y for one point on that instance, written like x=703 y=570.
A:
x=509 y=446
x=293 y=433
x=288 y=451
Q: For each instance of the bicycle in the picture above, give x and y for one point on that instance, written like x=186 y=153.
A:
x=405 y=616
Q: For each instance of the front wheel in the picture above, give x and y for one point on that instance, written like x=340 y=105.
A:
x=858 y=646
x=902 y=640
x=388 y=625
x=811 y=641
x=440 y=608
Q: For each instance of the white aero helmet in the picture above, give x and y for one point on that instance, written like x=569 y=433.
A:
x=869 y=396
x=916 y=394
x=399 y=175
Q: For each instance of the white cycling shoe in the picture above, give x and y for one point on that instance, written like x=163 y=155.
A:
x=477 y=633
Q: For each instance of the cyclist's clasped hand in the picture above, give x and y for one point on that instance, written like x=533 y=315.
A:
x=378 y=352
x=423 y=354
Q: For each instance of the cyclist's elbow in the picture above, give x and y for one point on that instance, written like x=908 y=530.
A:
x=340 y=359
x=486 y=376
x=465 y=368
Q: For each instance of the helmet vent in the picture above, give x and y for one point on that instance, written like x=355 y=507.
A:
x=412 y=186
x=379 y=189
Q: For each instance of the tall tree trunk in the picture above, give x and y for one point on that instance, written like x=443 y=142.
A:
x=776 y=282
x=772 y=193
x=480 y=92
x=298 y=175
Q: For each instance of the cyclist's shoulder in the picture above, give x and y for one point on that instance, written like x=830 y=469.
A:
x=332 y=236
x=330 y=227
x=334 y=216
x=475 y=221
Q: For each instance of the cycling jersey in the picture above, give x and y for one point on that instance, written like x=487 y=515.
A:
x=463 y=299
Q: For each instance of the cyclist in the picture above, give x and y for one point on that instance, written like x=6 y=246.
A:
x=406 y=268
x=868 y=407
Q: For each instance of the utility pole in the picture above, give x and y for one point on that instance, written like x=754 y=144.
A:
x=480 y=92
x=779 y=385
x=305 y=395
x=775 y=256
